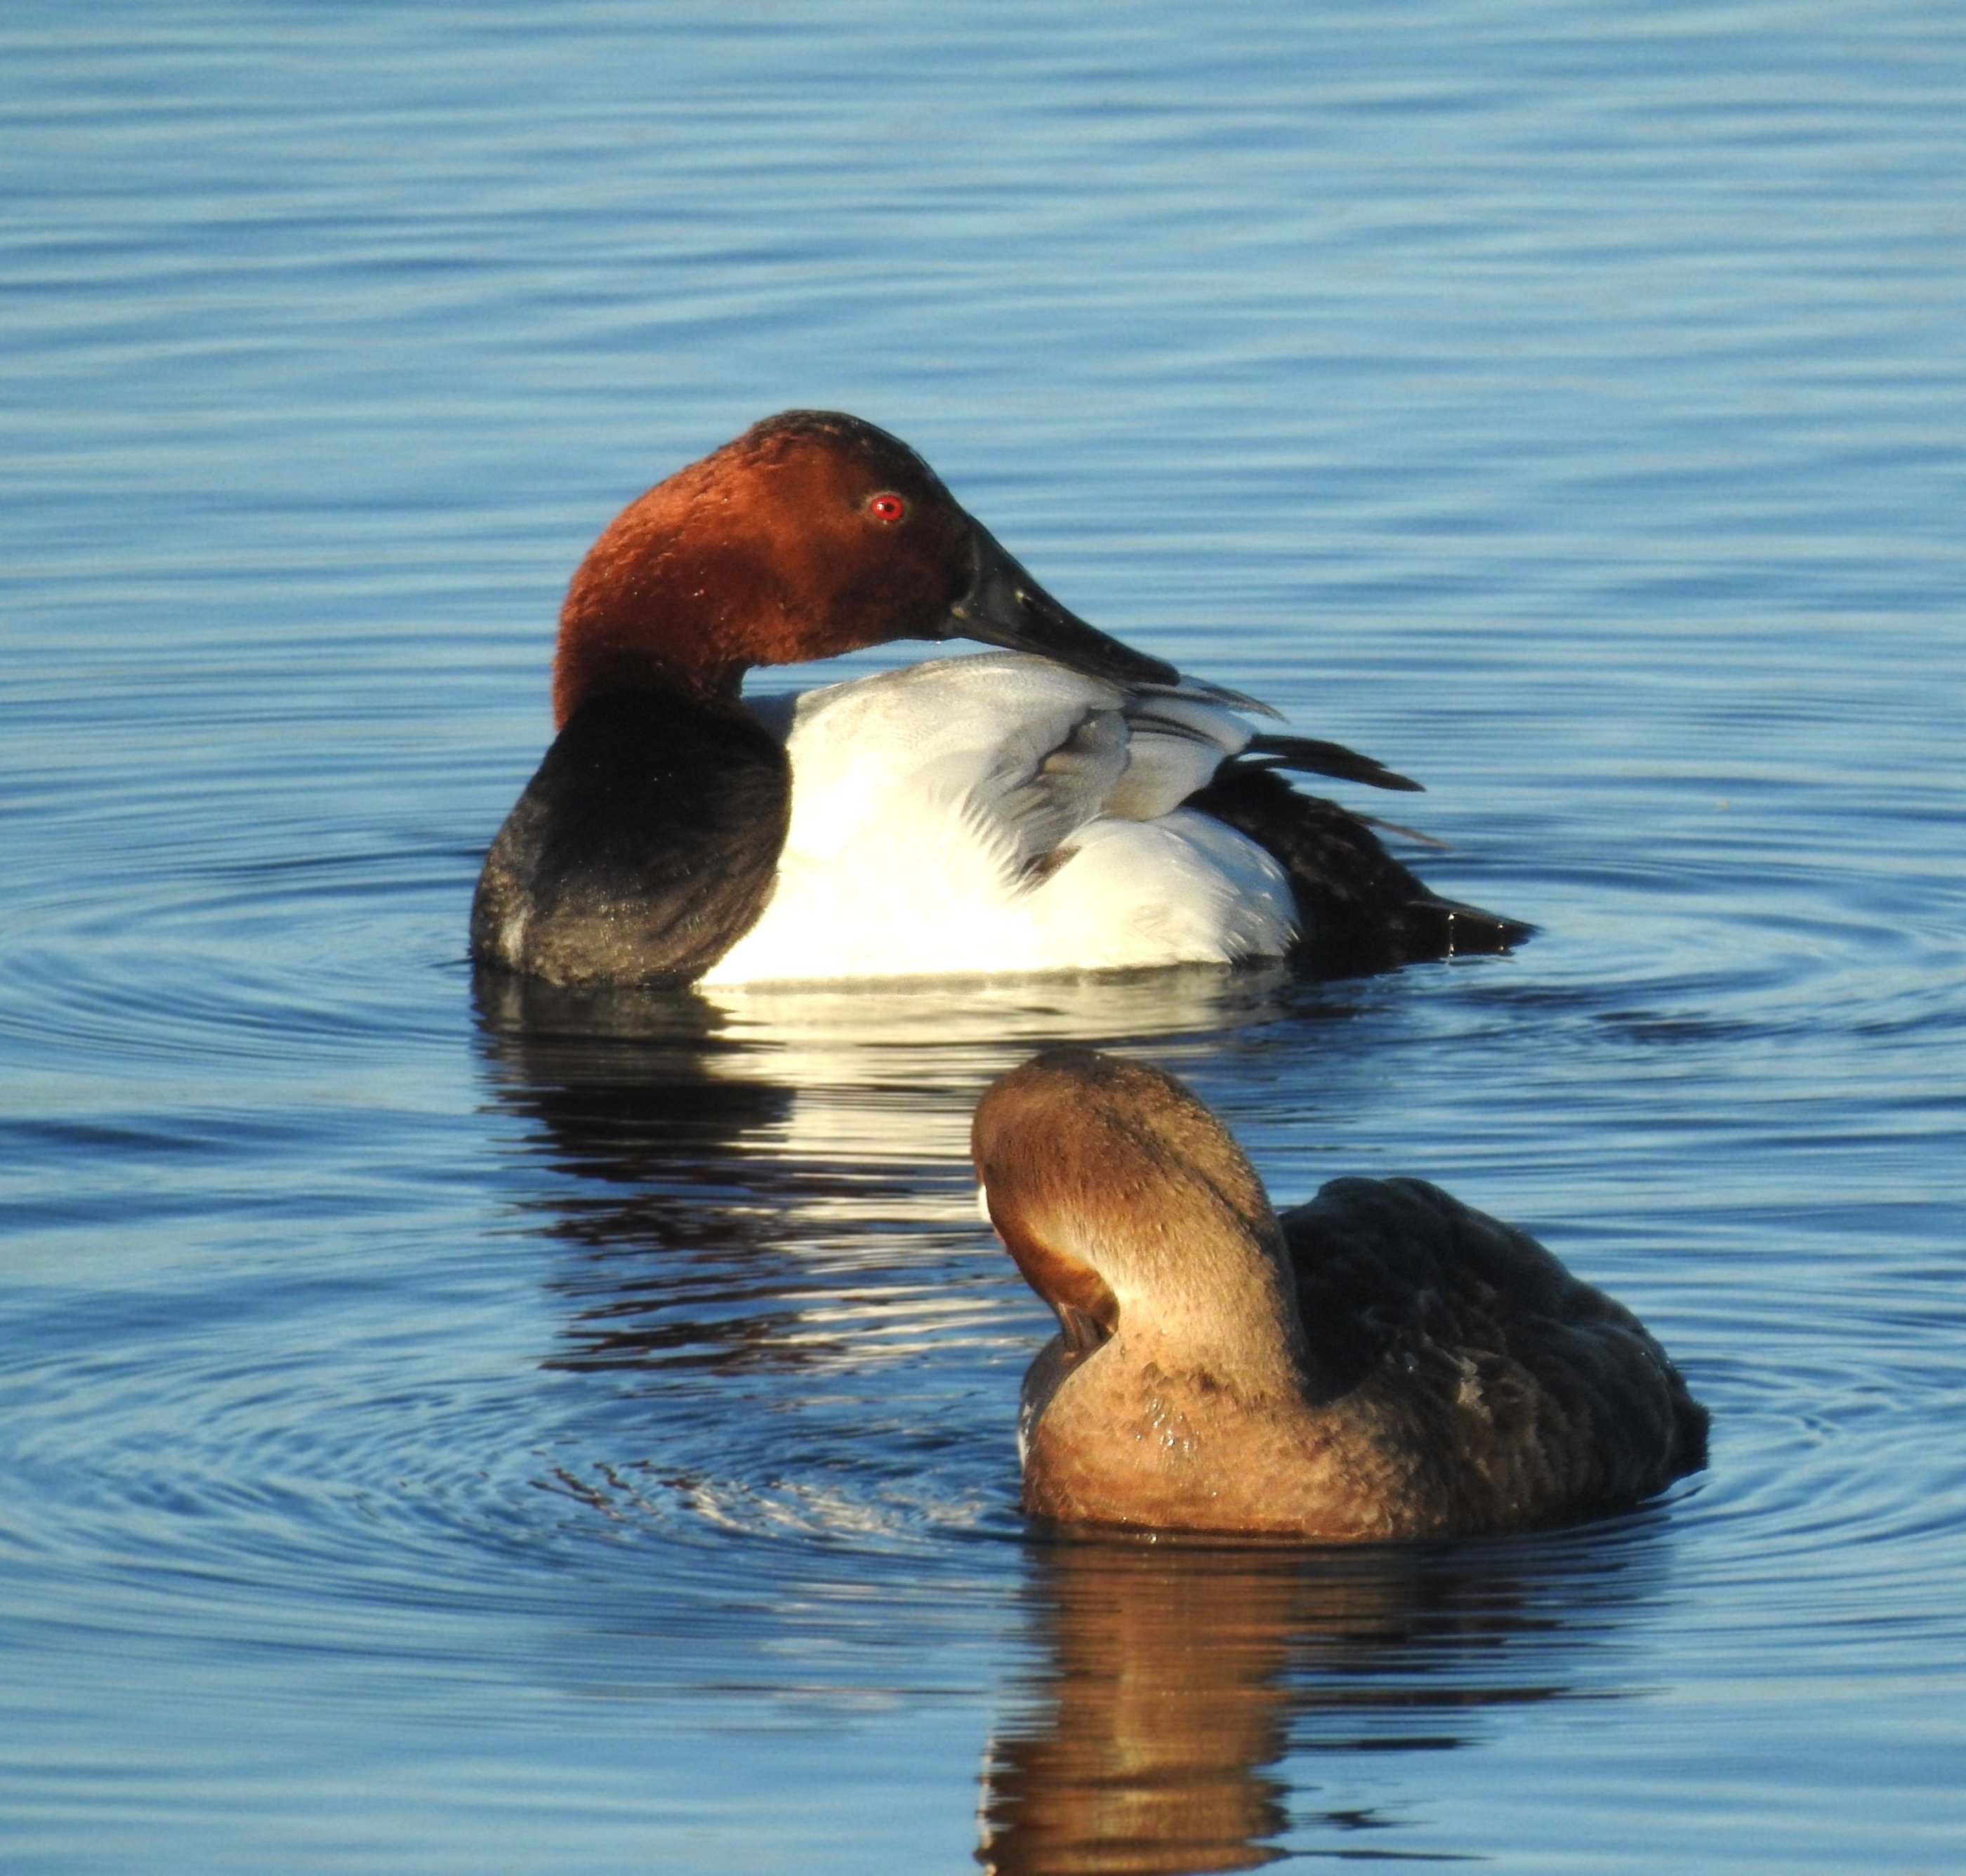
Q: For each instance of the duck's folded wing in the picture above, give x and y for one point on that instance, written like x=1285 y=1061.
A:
x=1555 y=1390
x=1017 y=746
x=1046 y=783
x=1175 y=743
x=1134 y=756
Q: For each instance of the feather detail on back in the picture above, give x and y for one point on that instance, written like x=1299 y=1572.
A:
x=1001 y=813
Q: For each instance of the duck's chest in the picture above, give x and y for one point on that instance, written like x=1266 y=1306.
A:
x=644 y=846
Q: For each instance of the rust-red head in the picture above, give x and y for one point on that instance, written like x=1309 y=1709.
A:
x=813 y=534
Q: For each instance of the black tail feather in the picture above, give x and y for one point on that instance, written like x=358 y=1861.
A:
x=1310 y=756
x=1360 y=910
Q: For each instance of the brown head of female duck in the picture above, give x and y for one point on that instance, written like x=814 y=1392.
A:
x=1382 y=1362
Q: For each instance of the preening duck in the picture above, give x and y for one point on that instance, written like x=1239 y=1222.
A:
x=1066 y=804
x=1381 y=1362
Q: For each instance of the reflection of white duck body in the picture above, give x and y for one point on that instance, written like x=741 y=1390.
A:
x=1002 y=813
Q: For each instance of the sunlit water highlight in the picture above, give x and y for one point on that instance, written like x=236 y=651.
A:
x=442 y=1434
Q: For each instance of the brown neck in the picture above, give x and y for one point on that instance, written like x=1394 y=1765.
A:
x=598 y=664
x=658 y=604
x=1228 y=1309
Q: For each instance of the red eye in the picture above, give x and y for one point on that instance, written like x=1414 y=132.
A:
x=886 y=507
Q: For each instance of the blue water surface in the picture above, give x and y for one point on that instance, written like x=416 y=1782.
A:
x=431 y=1441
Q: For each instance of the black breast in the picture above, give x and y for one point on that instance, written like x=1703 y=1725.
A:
x=642 y=851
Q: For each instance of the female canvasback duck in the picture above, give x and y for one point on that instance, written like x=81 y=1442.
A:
x=1381 y=1362
x=1065 y=804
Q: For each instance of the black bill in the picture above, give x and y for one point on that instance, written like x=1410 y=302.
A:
x=1005 y=606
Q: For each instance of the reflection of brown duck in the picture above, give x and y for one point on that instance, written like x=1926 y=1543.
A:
x=1161 y=1702
x=1382 y=1362
x=1171 y=1679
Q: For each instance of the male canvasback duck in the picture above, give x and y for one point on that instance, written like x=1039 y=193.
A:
x=1065 y=804
x=1382 y=1362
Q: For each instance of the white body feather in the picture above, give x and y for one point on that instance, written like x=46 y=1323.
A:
x=982 y=815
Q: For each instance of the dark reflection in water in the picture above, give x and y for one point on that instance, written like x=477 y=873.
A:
x=1176 y=1676
x=673 y=1244
x=619 y=1080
